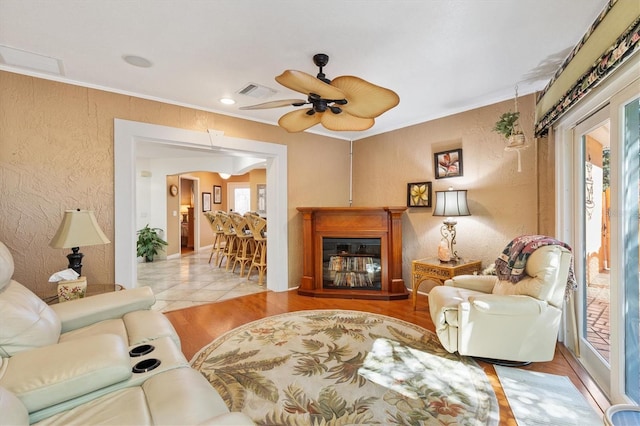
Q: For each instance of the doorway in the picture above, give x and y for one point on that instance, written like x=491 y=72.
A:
x=129 y=135
x=187 y=216
x=592 y=255
x=598 y=199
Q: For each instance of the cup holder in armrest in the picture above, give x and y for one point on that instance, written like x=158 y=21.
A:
x=141 y=350
x=146 y=365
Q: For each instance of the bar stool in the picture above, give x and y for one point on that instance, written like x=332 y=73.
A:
x=244 y=242
x=229 y=250
x=215 y=222
x=258 y=226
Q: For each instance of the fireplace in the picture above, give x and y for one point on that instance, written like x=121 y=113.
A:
x=352 y=252
x=351 y=263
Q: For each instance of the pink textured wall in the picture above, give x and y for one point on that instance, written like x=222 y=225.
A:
x=56 y=153
x=503 y=202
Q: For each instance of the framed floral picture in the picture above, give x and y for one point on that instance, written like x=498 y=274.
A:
x=448 y=163
x=206 y=201
x=419 y=194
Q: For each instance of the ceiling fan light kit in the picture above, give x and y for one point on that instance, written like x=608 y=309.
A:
x=346 y=103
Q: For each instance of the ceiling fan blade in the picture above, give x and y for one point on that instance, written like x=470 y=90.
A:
x=345 y=121
x=305 y=83
x=365 y=99
x=275 y=104
x=298 y=120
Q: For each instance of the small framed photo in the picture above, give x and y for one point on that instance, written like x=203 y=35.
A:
x=419 y=194
x=217 y=194
x=448 y=163
x=206 y=201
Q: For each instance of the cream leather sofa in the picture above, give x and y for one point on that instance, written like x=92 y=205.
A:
x=180 y=396
x=105 y=359
x=480 y=316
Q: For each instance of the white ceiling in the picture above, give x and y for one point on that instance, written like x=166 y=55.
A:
x=440 y=56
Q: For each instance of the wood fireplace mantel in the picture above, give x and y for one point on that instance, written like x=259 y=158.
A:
x=384 y=223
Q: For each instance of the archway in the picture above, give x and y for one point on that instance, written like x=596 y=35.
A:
x=127 y=136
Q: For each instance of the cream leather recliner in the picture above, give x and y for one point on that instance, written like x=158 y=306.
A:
x=481 y=316
x=79 y=362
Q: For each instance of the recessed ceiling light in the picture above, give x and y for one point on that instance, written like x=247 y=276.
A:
x=227 y=101
x=137 y=61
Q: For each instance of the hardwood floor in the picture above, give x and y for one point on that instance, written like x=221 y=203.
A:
x=199 y=325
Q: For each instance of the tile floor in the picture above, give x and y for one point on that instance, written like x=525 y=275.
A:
x=190 y=280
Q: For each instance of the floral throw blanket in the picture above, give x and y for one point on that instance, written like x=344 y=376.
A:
x=512 y=261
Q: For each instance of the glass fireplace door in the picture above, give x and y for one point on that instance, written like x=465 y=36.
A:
x=351 y=263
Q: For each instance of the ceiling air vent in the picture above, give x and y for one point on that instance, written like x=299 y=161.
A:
x=23 y=59
x=257 y=91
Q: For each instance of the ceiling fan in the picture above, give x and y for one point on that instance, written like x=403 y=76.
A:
x=345 y=103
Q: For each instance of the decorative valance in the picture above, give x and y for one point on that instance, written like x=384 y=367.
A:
x=615 y=35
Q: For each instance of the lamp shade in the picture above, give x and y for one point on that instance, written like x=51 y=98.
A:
x=78 y=228
x=451 y=203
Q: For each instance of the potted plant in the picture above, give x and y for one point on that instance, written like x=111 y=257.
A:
x=149 y=242
x=507 y=126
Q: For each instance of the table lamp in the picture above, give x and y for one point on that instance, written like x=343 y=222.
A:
x=78 y=228
x=450 y=203
x=184 y=211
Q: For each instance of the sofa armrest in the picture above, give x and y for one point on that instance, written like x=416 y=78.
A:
x=79 y=313
x=492 y=304
x=482 y=283
x=53 y=374
x=13 y=410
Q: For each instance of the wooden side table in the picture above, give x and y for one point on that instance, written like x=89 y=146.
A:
x=92 y=290
x=433 y=269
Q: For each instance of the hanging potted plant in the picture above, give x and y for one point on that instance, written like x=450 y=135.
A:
x=149 y=242
x=507 y=126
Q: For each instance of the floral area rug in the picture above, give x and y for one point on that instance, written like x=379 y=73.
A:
x=337 y=367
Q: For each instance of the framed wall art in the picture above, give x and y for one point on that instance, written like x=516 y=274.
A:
x=206 y=201
x=448 y=164
x=262 y=198
x=217 y=194
x=419 y=194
